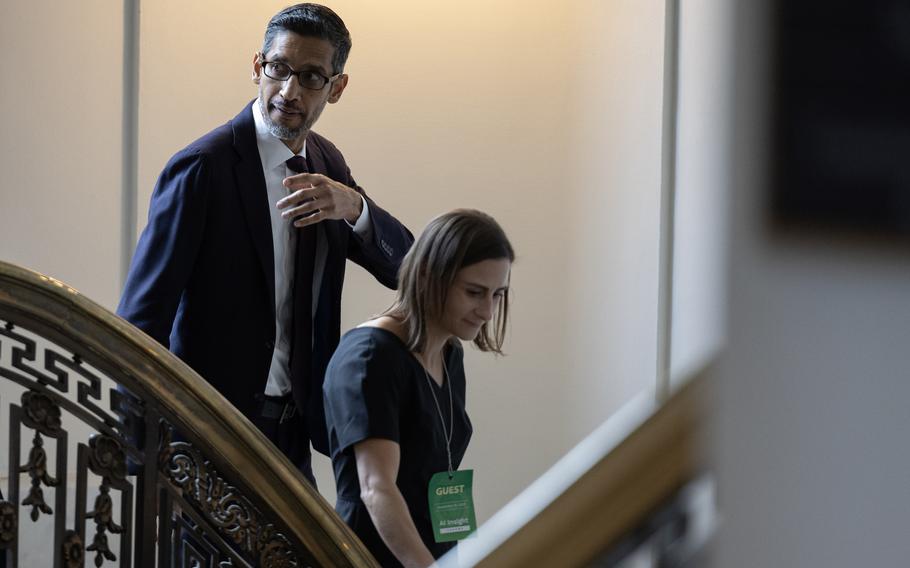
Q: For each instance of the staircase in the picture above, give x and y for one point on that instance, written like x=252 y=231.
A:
x=118 y=454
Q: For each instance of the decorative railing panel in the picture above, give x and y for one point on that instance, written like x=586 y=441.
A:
x=117 y=454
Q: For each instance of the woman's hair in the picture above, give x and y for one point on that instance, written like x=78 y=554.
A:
x=449 y=243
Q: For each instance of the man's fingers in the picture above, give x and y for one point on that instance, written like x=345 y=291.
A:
x=300 y=181
x=327 y=197
x=309 y=220
x=304 y=208
x=299 y=197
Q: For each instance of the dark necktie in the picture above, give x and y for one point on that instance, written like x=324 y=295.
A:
x=302 y=301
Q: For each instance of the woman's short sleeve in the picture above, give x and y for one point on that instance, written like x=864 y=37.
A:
x=362 y=390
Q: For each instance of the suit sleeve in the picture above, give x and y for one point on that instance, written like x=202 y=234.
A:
x=382 y=253
x=167 y=248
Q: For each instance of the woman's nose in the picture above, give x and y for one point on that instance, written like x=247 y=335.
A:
x=485 y=310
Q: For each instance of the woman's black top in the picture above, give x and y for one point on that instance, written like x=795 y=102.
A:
x=375 y=388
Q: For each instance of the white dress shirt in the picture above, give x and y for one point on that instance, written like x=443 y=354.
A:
x=273 y=153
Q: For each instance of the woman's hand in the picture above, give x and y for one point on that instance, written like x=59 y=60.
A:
x=377 y=469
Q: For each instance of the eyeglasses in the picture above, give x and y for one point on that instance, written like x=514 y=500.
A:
x=307 y=78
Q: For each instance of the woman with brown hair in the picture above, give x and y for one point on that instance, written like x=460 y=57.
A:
x=395 y=392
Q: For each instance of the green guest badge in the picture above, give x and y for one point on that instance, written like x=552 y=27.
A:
x=452 y=505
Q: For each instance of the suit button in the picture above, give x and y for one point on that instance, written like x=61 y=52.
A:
x=270 y=345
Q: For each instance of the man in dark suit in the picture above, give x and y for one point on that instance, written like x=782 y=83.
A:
x=240 y=268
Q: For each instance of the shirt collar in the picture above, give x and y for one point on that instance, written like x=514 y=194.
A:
x=273 y=151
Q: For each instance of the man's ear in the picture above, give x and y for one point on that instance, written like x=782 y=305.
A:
x=338 y=86
x=257 y=67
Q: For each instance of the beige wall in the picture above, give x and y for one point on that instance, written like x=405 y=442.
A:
x=545 y=115
x=613 y=174
x=60 y=142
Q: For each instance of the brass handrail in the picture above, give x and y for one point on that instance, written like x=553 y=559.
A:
x=51 y=309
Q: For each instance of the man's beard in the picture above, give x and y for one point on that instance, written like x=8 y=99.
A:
x=282 y=132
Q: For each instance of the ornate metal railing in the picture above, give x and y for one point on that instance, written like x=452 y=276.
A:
x=120 y=455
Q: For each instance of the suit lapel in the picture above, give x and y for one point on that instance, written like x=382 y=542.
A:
x=253 y=195
x=315 y=161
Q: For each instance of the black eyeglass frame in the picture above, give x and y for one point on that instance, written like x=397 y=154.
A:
x=326 y=80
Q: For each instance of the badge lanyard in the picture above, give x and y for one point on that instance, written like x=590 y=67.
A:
x=450 y=493
x=446 y=433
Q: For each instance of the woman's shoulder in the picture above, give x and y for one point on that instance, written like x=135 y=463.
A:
x=372 y=339
x=389 y=325
x=367 y=353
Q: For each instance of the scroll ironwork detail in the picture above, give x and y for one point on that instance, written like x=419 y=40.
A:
x=73 y=550
x=41 y=414
x=108 y=460
x=223 y=505
x=165 y=450
x=9 y=524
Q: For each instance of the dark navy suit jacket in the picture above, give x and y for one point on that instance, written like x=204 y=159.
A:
x=202 y=280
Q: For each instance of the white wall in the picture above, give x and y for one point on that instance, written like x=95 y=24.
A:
x=702 y=185
x=547 y=116
x=811 y=427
